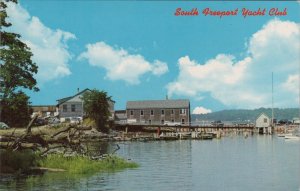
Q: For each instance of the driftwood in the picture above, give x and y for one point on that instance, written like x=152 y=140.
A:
x=42 y=169
x=118 y=148
x=28 y=128
x=68 y=138
x=69 y=128
x=51 y=148
x=17 y=144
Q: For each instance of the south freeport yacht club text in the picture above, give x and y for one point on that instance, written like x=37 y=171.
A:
x=234 y=12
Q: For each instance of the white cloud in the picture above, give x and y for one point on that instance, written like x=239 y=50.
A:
x=49 y=47
x=291 y=87
x=158 y=68
x=246 y=82
x=291 y=84
x=201 y=110
x=119 y=64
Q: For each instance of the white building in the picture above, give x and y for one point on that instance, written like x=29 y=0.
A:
x=263 y=123
x=296 y=121
x=72 y=106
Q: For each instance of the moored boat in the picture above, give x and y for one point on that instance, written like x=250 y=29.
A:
x=284 y=134
x=184 y=135
x=292 y=137
x=168 y=137
x=207 y=136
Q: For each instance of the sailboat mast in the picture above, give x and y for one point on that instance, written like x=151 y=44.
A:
x=299 y=94
x=272 y=103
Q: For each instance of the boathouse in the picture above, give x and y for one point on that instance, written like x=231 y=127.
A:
x=263 y=123
x=70 y=107
x=172 y=112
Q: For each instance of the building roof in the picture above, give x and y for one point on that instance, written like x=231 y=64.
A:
x=179 y=103
x=120 y=111
x=62 y=100
x=263 y=114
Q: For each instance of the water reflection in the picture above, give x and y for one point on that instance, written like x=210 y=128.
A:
x=164 y=166
x=255 y=163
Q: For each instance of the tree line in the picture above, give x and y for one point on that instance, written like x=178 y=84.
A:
x=247 y=114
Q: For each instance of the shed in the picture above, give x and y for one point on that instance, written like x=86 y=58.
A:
x=262 y=121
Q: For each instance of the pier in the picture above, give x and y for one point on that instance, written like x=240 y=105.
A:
x=165 y=132
x=179 y=128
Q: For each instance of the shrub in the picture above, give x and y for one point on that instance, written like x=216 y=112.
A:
x=17 y=161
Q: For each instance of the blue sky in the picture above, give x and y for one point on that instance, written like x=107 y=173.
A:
x=140 y=51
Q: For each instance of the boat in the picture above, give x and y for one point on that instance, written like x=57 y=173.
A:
x=284 y=134
x=184 y=135
x=168 y=136
x=292 y=137
x=205 y=136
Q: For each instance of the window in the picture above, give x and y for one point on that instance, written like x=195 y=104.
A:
x=265 y=120
x=73 y=108
x=162 y=121
x=150 y=122
x=131 y=112
x=182 y=121
x=162 y=112
x=172 y=111
x=172 y=120
x=182 y=111
x=65 y=108
x=142 y=112
x=151 y=112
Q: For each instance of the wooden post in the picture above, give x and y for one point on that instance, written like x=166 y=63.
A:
x=158 y=131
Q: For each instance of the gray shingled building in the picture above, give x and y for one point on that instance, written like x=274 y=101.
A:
x=159 y=112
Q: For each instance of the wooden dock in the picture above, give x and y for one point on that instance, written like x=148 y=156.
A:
x=179 y=128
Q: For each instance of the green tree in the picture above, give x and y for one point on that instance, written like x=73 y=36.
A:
x=16 y=67
x=16 y=110
x=96 y=107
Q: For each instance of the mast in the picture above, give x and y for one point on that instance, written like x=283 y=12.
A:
x=299 y=94
x=272 y=103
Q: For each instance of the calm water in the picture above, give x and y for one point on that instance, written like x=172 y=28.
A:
x=256 y=163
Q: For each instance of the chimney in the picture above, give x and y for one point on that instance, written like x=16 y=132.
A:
x=77 y=90
x=167 y=97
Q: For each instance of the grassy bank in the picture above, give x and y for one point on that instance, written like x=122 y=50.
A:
x=22 y=161
x=83 y=165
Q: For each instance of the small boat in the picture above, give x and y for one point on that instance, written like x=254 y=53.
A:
x=205 y=136
x=292 y=137
x=284 y=134
x=168 y=137
x=183 y=135
x=295 y=135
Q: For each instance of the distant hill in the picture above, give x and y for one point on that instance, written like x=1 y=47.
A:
x=246 y=114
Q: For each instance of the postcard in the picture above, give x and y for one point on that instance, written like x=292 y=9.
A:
x=150 y=95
